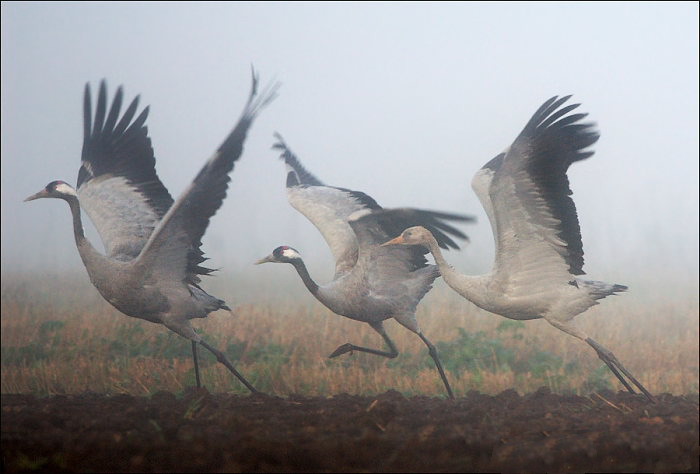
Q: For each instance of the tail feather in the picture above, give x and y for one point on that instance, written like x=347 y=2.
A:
x=210 y=303
x=600 y=289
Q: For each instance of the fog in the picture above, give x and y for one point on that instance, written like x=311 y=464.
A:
x=404 y=101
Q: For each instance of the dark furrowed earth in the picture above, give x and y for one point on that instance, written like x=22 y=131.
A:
x=200 y=431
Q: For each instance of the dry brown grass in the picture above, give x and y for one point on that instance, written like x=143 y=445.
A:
x=284 y=341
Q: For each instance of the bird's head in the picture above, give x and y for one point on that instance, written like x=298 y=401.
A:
x=283 y=254
x=55 y=189
x=412 y=236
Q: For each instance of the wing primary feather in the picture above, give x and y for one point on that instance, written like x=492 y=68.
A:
x=140 y=120
x=101 y=107
x=452 y=216
x=434 y=220
x=303 y=176
x=539 y=113
x=554 y=106
x=548 y=145
x=542 y=113
x=559 y=113
x=569 y=120
x=114 y=110
x=396 y=220
x=87 y=117
x=444 y=241
x=365 y=199
x=233 y=143
x=126 y=118
x=183 y=226
x=448 y=228
x=126 y=205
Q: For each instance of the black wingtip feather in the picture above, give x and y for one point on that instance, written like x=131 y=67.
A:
x=233 y=144
x=303 y=176
x=140 y=120
x=395 y=221
x=559 y=113
x=126 y=118
x=120 y=147
x=209 y=187
x=555 y=140
x=87 y=116
x=114 y=109
x=101 y=107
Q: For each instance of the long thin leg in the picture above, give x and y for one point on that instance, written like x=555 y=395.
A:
x=605 y=355
x=615 y=365
x=379 y=327
x=615 y=372
x=434 y=355
x=196 y=364
x=224 y=360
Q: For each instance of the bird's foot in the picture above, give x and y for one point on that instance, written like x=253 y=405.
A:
x=347 y=347
x=616 y=367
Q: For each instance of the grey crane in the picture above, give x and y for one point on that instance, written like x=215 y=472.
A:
x=539 y=253
x=371 y=283
x=151 y=269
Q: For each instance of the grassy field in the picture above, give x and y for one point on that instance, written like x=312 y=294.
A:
x=59 y=336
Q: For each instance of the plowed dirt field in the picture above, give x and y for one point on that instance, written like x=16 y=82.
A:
x=206 y=432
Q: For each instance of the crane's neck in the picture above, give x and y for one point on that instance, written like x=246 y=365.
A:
x=471 y=287
x=439 y=259
x=305 y=277
x=87 y=251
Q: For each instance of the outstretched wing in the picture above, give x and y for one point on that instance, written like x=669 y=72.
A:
x=117 y=183
x=182 y=227
x=374 y=227
x=329 y=208
x=526 y=193
x=297 y=175
x=389 y=263
x=399 y=271
x=391 y=222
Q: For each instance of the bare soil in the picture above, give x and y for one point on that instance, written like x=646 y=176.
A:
x=205 y=432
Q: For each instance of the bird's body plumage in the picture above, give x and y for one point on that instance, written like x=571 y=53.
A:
x=525 y=192
x=371 y=283
x=539 y=253
x=151 y=267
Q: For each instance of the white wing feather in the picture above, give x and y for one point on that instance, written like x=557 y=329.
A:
x=120 y=214
x=525 y=235
x=328 y=209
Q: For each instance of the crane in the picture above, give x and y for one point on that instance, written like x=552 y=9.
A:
x=151 y=267
x=371 y=283
x=539 y=253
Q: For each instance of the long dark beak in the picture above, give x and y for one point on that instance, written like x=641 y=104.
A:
x=269 y=258
x=40 y=194
x=397 y=240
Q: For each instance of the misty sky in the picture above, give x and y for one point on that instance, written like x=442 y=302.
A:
x=402 y=101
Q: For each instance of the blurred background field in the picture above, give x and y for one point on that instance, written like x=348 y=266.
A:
x=59 y=336
x=433 y=96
